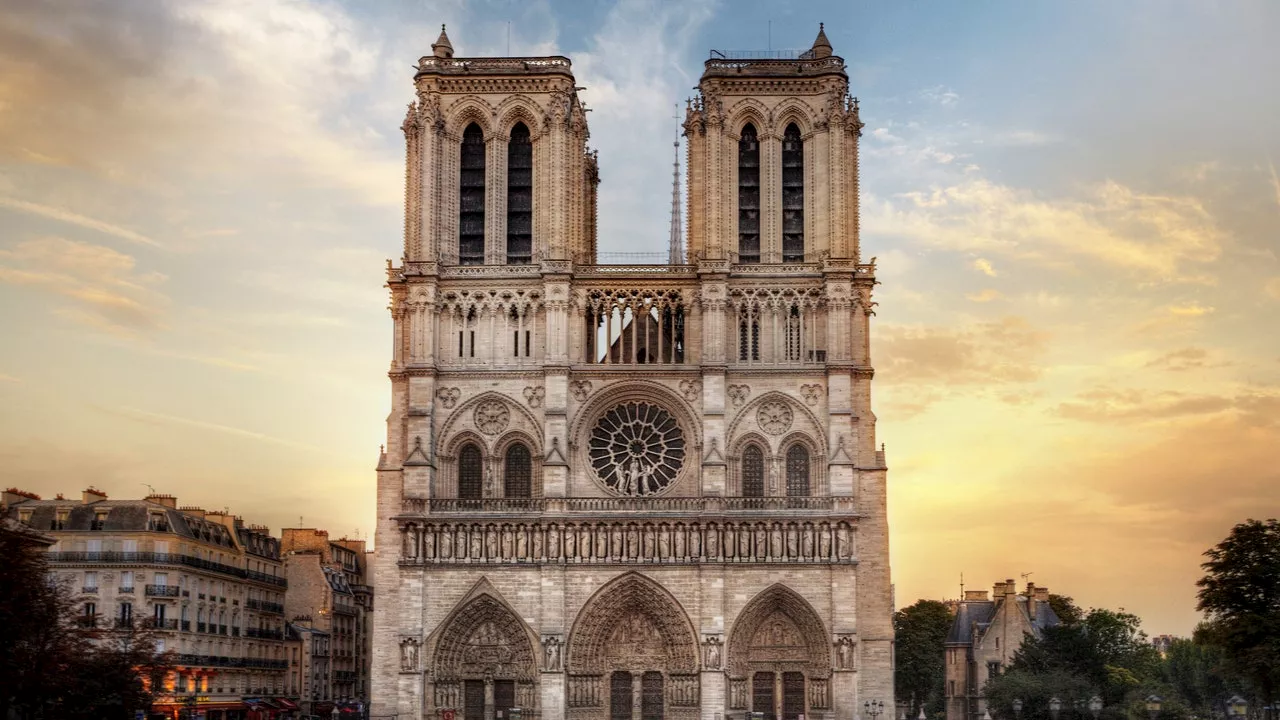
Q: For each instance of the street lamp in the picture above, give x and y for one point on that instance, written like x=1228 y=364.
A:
x=1017 y=708
x=1095 y=706
x=873 y=708
x=1055 y=707
x=1153 y=706
x=1237 y=706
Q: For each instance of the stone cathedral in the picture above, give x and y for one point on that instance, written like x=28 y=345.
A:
x=631 y=491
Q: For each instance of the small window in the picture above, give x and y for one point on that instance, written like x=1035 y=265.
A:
x=517 y=471
x=797 y=470
x=470 y=472
x=753 y=472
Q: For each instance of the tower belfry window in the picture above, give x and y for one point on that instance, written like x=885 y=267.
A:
x=748 y=196
x=792 y=195
x=471 y=198
x=520 y=197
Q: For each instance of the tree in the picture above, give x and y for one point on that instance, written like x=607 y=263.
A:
x=1240 y=593
x=921 y=634
x=1066 y=609
x=1105 y=653
x=53 y=668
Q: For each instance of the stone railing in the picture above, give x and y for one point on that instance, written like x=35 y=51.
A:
x=544 y=541
x=627 y=505
x=486 y=65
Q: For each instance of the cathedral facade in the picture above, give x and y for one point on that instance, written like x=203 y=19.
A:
x=631 y=491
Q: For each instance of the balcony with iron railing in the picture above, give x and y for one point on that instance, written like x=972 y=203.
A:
x=163 y=591
x=264 y=634
x=264 y=606
x=80 y=557
x=155 y=623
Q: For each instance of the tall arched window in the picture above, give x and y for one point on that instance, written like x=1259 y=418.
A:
x=748 y=196
x=797 y=470
x=470 y=473
x=520 y=197
x=517 y=471
x=753 y=472
x=471 y=198
x=792 y=195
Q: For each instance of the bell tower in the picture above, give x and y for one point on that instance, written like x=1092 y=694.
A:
x=773 y=158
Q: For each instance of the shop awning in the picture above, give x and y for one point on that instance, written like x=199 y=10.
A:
x=286 y=704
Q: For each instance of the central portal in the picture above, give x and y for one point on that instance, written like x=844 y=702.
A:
x=633 y=655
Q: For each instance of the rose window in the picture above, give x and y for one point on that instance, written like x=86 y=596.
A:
x=636 y=448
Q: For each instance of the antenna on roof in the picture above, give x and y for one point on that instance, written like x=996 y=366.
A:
x=150 y=489
x=770 y=34
x=961 y=585
x=1026 y=575
x=508 y=38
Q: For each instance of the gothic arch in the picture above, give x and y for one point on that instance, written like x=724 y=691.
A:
x=466 y=111
x=518 y=108
x=482 y=639
x=632 y=623
x=736 y=450
x=746 y=111
x=461 y=419
x=805 y=422
x=778 y=630
x=504 y=443
x=789 y=111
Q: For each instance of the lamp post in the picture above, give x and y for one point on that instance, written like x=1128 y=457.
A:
x=873 y=708
x=1095 y=706
x=1055 y=707
x=1153 y=706
x=1017 y=708
x=190 y=702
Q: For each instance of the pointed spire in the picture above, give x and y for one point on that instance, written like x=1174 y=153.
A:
x=442 y=47
x=821 y=45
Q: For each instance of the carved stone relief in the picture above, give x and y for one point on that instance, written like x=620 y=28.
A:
x=845 y=647
x=691 y=389
x=774 y=417
x=712 y=649
x=811 y=393
x=409 y=647
x=552 y=649
x=492 y=416
x=580 y=389
x=534 y=396
x=738 y=394
x=448 y=396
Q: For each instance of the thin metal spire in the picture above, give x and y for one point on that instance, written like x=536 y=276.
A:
x=675 y=251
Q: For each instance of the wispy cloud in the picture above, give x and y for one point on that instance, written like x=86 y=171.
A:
x=986 y=295
x=155 y=418
x=985 y=267
x=67 y=216
x=1275 y=181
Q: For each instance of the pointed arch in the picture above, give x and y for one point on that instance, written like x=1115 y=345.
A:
x=658 y=633
x=793 y=111
x=748 y=110
x=467 y=111
x=516 y=109
x=482 y=639
x=778 y=630
x=805 y=424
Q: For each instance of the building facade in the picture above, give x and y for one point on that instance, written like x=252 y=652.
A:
x=985 y=635
x=328 y=585
x=209 y=587
x=631 y=491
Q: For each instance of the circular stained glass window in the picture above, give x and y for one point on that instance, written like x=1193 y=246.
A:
x=636 y=448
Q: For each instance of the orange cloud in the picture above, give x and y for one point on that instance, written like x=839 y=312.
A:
x=986 y=295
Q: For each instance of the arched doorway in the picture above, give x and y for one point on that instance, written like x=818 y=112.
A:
x=633 y=655
x=779 y=658
x=483 y=662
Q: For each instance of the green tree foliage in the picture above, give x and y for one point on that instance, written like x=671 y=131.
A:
x=51 y=668
x=920 y=633
x=1196 y=671
x=1066 y=609
x=1105 y=654
x=1240 y=593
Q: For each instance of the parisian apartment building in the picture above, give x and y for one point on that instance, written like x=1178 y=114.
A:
x=329 y=605
x=214 y=590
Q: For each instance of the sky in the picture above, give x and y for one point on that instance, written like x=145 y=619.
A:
x=1074 y=207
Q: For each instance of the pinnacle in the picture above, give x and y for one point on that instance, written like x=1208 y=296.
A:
x=442 y=47
x=821 y=45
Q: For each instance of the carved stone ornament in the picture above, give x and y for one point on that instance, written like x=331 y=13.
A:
x=409 y=647
x=534 y=396
x=580 y=389
x=811 y=393
x=552 y=653
x=712 y=652
x=845 y=647
x=636 y=448
x=691 y=389
x=492 y=416
x=448 y=396
x=738 y=394
x=774 y=417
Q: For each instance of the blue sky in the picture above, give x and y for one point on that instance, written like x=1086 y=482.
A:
x=1074 y=208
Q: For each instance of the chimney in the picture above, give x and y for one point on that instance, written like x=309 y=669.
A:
x=168 y=501
x=1031 y=601
x=192 y=510
x=976 y=595
x=92 y=495
x=14 y=495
